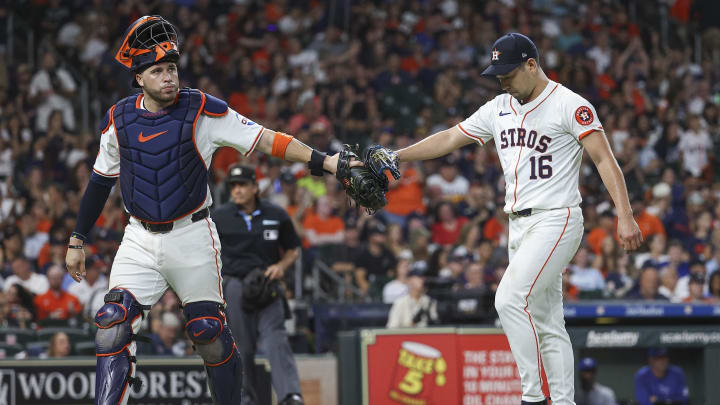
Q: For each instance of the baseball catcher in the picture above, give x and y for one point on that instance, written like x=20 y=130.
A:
x=158 y=145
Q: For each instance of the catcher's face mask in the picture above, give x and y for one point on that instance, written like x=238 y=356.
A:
x=148 y=40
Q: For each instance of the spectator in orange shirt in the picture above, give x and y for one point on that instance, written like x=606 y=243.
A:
x=649 y=224
x=605 y=228
x=570 y=292
x=496 y=228
x=55 y=303
x=405 y=195
x=53 y=253
x=322 y=227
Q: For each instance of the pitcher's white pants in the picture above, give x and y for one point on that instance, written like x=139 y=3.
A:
x=529 y=300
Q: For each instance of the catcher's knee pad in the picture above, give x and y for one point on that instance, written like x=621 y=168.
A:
x=207 y=328
x=292 y=399
x=114 y=371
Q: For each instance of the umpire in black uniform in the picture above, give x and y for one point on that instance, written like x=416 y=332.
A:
x=258 y=243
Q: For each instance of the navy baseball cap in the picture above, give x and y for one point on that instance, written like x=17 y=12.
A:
x=587 y=363
x=239 y=173
x=509 y=51
x=657 y=352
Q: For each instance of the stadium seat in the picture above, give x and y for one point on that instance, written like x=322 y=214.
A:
x=10 y=350
x=75 y=334
x=57 y=323
x=376 y=287
x=84 y=348
x=591 y=295
x=34 y=349
x=20 y=336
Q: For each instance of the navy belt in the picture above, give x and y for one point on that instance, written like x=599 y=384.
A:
x=168 y=226
x=523 y=213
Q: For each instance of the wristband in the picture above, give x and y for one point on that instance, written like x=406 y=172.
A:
x=75 y=246
x=78 y=236
x=316 y=163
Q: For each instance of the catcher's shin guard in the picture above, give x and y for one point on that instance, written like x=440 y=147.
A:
x=114 y=346
x=207 y=328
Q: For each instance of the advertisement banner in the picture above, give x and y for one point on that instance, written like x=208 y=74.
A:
x=165 y=381
x=438 y=366
x=488 y=371
x=644 y=336
x=414 y=369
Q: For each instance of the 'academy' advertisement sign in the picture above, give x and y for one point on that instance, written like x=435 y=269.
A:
x=164 y=382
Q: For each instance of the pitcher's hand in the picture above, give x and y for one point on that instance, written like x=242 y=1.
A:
x=629 y=233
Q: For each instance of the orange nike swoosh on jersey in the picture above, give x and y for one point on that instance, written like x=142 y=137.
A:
x=199 y=333
x=142 y=138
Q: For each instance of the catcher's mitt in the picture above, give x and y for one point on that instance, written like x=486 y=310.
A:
x=361 y=184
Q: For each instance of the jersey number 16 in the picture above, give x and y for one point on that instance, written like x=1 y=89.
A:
x=540 y=166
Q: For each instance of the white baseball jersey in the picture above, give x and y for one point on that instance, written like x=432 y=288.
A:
x=231 y=129
x=538 y=144
x=695 y=147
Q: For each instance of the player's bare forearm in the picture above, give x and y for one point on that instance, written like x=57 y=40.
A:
x=296 y=151
x=614 y=181
x=599 y=150
x=435 y=145
x=628 y=231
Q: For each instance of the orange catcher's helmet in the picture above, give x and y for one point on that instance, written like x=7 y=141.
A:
x=148 y=40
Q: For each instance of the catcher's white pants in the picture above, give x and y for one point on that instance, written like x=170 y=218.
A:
x=529 y=300
x=186 y=259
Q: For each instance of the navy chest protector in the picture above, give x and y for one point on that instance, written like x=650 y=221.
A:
x=163 y=176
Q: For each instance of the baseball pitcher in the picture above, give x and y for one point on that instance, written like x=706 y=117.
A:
x=540 y=129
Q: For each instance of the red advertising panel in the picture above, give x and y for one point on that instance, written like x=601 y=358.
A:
x=487 y=370
x=416 y=369
x=448 y=366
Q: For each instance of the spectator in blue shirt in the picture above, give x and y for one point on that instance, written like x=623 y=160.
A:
x=659 y=382
x=648 y=285
x=591 y=392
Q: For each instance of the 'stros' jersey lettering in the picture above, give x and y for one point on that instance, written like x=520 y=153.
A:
x=538 y=144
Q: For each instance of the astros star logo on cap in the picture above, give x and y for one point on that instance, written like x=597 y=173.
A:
x=496 y=54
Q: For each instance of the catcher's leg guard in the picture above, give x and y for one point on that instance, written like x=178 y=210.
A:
x=114 y=346
x=207 y=328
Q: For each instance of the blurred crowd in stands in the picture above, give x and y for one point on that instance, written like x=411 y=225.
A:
x=389 y=72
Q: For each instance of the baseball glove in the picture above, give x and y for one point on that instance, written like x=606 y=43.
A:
x=361 y=184
x=378 y=159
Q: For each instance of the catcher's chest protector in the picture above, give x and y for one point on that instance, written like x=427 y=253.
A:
x=163 y=177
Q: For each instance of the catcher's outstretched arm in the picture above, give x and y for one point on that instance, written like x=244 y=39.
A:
x=294 y=151
x=435 y=145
